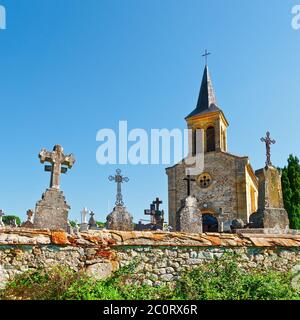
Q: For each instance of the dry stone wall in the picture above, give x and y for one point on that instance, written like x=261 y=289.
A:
x=161 y=256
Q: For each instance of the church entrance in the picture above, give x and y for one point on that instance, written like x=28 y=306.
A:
x=209 y=223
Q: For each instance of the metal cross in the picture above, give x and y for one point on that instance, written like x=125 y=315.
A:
x=119 y=179
x=157 y=202
x=206 y=54
x=150 y=212
x=268 y=141
x=188 y=179
x=57 y=160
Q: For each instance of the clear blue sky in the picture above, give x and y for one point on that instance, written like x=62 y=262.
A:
x=71 y=67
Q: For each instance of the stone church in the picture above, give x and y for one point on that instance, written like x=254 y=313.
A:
x=227 y=187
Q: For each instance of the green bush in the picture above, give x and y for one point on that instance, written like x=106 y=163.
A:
x=221 y=279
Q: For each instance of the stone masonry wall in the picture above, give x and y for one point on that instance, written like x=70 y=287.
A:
x=161 y=256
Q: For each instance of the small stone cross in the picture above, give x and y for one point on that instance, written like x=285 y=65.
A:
x=57 y=160
x=268 y=141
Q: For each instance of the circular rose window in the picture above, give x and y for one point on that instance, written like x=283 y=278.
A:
x=204 y=180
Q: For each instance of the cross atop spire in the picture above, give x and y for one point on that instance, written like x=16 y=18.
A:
x=206 y=54
x=207 y=101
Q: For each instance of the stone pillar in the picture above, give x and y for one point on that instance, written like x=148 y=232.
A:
x=190 y=216
x=119 y=219
x=271 y=213
x=51 y=211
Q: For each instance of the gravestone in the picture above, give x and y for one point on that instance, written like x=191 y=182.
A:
x=92 y=222
x=52 y=210
x=119 y=219
x=190 y=217
x=157 y=217
x=271 y=213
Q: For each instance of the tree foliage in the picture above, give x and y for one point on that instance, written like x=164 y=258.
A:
x=291 y=190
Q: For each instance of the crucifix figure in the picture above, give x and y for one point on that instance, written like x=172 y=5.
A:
x=268 y=141
x=119 y=179
x=188 y=179
x=57 y=160
x=206 y=54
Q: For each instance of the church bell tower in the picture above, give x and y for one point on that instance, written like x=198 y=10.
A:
x=208 y=117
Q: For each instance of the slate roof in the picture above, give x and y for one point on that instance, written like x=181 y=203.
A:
x=207 y=101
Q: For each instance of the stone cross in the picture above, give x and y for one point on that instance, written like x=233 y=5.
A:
x=188 y=179
x=268 y=141
x=57 y=160
x=84 y=214
x=119 y=179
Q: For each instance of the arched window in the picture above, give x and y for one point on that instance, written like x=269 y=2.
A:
x=210 y=139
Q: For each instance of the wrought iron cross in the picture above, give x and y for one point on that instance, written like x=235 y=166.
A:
x=157 y=202
x=150 y=212
x=188 y=179
x=206 y=54
x=268 y=141
x=119 y=179
x=57 y=160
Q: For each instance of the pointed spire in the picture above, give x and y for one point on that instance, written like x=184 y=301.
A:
x=207 y=101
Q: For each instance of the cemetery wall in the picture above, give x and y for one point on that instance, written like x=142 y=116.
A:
x=160 y=256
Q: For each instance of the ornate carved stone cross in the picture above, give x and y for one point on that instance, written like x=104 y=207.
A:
x=57 y=160
x=119 y=179
x=189 y=179
x=268 y=141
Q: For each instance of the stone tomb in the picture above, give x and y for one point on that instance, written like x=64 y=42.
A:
x=190 y=216
x=51 y=211
x=271 y=213
x=119 y=219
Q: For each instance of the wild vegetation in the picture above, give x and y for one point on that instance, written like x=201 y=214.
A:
x=221 y=279
x=291 y=190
